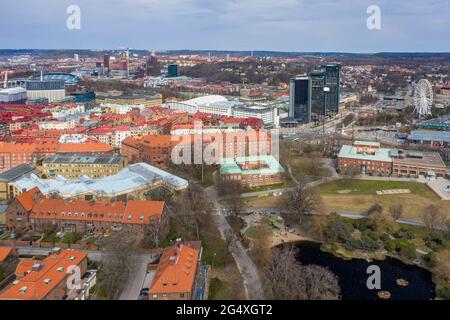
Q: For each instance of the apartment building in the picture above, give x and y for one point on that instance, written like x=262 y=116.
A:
x=73 y=167
x=157 y=150
x=48 y=279
x=176 y=274
x=33 y=211
x=13 y=154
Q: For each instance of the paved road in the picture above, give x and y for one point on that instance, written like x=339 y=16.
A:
x=252 y=281
x=137 y=277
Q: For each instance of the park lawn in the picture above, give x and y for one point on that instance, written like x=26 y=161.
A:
x=413 y=204
x=303 y=165
x=262 y=202
x=370 y=187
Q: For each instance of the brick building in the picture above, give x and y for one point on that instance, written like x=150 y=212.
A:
x=13 y=154
x=47 y=279
x=157 y=150
x=365 y=157
x=370 y=158
x=176 y=274
x=252 y=171
x=32 y=210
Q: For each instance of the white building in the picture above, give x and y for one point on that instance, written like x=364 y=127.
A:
x=221 y=106
x=57 y=125
x=12 y=95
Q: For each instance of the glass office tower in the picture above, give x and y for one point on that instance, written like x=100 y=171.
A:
x=332 y=80
x=315 y=96
x=299 y=100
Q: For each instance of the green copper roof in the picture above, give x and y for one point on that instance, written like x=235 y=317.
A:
x=231 y=165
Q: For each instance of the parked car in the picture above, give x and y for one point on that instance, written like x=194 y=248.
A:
x=144 y=292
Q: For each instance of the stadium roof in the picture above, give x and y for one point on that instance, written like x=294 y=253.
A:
x=205 y=100
x=68 y=78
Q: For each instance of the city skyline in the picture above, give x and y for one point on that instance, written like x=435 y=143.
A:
x=319 y=26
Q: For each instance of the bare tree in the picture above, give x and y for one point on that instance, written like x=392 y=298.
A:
x=433 y=218
x=152 y=234
x=396 y=211
x=289 y=280
x=348 y=175
x=302 y=201
x=229 y=238
x=116 y=261
x=232 y=191
x=260 y=249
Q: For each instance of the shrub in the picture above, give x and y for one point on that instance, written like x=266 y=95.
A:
x=214 y=287
x=404 y=234
x=366 y=243
x=407 y=249
x=391 y=245
x=72 y=237
x=434 y=241
x=444 y=292
x=430 y=260
x=361 y=224
x=338 y=231
x=376 y=208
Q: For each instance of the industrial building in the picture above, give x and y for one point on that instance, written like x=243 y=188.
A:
x=53 y=90
x=17 y=95
x=441 y=123
x=430 y=138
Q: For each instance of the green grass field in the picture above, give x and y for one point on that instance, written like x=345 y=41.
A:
x=370 y=187
x=361 y=195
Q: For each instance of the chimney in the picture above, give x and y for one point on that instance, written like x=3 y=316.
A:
x=5 y=85
x=38 y=266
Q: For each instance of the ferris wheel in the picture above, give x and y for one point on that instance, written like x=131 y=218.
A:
x=423 y=98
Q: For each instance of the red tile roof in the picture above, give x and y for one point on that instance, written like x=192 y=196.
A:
x=4 y=253
x=36 y=285
x=131 y=212
x=26 y=199
x=176 y=271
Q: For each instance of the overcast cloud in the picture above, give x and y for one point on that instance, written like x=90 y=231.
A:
x=281 y=25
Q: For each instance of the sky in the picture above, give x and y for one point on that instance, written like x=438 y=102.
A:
x=275 y=25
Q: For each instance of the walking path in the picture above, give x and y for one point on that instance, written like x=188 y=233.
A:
x=249 y=271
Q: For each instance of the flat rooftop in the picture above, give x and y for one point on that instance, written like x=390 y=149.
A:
x=429 y=135
x=415 y=158
x=17 y=172
x=351 y=152
x=83 y=160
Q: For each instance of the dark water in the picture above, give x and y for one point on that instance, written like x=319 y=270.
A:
x=353 y=275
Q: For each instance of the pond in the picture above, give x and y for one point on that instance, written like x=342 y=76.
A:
x=353 y=275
